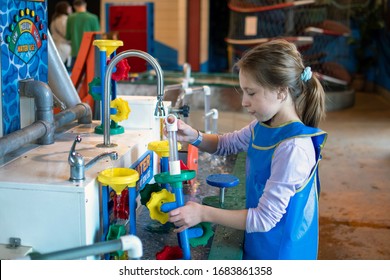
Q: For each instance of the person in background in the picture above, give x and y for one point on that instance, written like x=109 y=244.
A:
x=79 y=22
x=283 y=146
x=58 y=31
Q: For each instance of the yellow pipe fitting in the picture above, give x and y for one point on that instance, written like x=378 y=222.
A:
x=161 y=148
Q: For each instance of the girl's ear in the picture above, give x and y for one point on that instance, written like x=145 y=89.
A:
x=282 y=93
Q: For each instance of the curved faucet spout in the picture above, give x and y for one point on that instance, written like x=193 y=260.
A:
x=111 y=155
x=159 y=111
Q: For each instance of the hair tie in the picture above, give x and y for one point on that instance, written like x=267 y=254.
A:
x=306 y=74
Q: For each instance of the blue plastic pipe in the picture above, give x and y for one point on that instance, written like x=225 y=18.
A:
x=103 y=63
x=132 y=206
x=164 y=166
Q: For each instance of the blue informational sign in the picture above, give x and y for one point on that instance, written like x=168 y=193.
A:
x=144 y=167
x=23 y=27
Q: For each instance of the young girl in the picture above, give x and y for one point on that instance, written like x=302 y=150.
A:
x=283 y=149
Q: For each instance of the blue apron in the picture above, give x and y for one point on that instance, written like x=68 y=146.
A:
x=295 y=236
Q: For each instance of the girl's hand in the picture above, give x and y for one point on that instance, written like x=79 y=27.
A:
x=186 y=216
x=185 y=133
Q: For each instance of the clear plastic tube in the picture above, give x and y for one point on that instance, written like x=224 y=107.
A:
x=171 y=124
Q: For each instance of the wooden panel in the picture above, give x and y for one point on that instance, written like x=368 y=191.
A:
x=130 y=21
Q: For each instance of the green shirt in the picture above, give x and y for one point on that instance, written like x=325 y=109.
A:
x=77 y=24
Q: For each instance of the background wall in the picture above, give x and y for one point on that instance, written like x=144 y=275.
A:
x=174 y=32
x=170 y=30
x=171 y=33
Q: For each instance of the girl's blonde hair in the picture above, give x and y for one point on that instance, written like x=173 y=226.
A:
x=278 y=64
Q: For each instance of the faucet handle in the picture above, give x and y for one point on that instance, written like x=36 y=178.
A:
x=72 y=152
x=77 y=140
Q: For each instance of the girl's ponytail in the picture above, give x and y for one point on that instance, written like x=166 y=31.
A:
x=312 y=104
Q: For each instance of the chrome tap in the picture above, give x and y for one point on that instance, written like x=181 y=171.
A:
x=77 y=164
x=159 y=111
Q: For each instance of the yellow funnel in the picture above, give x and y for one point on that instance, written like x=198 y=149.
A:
x=109 y=46
x=118 y=178
x=161 y=148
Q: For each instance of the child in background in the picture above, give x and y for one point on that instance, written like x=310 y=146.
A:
x=79 y=22
x=58 y=31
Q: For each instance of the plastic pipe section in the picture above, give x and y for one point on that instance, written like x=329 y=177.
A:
x=174 y=162
x=43 y=129
x=59 y=79
x=207 y=111
x=44 y=105
x=174 y=87
x=159 y=111
x=187 y=71
x=164 y=167
x=81 y=112
x=17 y=139
x=214 y=114
x=174 y=169
x=132 y=210
x=130 y=243
x=183 y=86
x=103 y=68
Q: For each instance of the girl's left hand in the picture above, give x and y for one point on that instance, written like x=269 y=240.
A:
x=186 y=216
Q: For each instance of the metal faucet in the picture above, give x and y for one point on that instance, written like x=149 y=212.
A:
x=77 y=165
x=159 y=111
